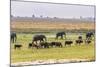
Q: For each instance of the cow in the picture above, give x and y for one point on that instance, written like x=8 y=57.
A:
x=56 y=44
x=13 y=37
x=61 y=34
x=79 y=41
x=80 y=37
x=17 y=46
x=68 y=43
x=44 y=44
x=31 y=45
x=87 y=41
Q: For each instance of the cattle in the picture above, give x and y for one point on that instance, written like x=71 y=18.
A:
x=87 y=41
x=39 y=38
x=13 y=37
x=31 y=45
x=17 y=46
x=44 y=44
x=68 y=43
x=61 y=34
x=79 y=41
x=56 y=44
x=80 y=37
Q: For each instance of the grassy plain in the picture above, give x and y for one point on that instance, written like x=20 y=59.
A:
x=74 y=52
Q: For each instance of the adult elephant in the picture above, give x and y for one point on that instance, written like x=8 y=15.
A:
x=89 y=35
x=39 y=38
x=61 y=34
x=13 y=37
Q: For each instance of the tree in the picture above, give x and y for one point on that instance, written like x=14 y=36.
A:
x=55 y=17
x=33 y=16
x=47 y=17
x=81 y=17
x=41 y=16
x=11 y=16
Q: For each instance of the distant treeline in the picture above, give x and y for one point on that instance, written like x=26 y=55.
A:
x=50 y=31
x=30 y=19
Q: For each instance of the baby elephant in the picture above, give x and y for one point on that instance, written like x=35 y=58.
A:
x=68 y=43
x=17 y=46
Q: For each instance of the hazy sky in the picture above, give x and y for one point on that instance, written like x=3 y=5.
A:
x=19 y=8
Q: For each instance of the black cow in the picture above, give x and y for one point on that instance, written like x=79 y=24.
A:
x=17 y=46
x=30 y=45
x=68 y=43
x=87 y=41
x=13 y=37
x=80 y=37
x=89 y=35
x=61 y=34
x=79 y=41
x=44 y=44
x=56 y=44
x=39 y=38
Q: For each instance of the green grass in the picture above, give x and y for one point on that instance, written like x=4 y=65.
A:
x=74 y=52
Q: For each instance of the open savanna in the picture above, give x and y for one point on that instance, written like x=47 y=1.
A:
x=52 y=27
x=30 y=26
x=25 y=54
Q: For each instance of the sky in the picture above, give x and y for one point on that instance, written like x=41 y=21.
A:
x=27 y=9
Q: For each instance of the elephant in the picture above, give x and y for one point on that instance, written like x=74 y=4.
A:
x=61 y=34
x=39 y=38
x=13 y=37
x=89 y=35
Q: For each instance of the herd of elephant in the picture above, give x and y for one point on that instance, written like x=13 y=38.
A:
x=44 y=44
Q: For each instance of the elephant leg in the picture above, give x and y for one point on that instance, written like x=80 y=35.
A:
x=13 y=40
x=36 y=42
x=61 y=37
x=32 y=42
x=65 y=36
x=40 y=41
